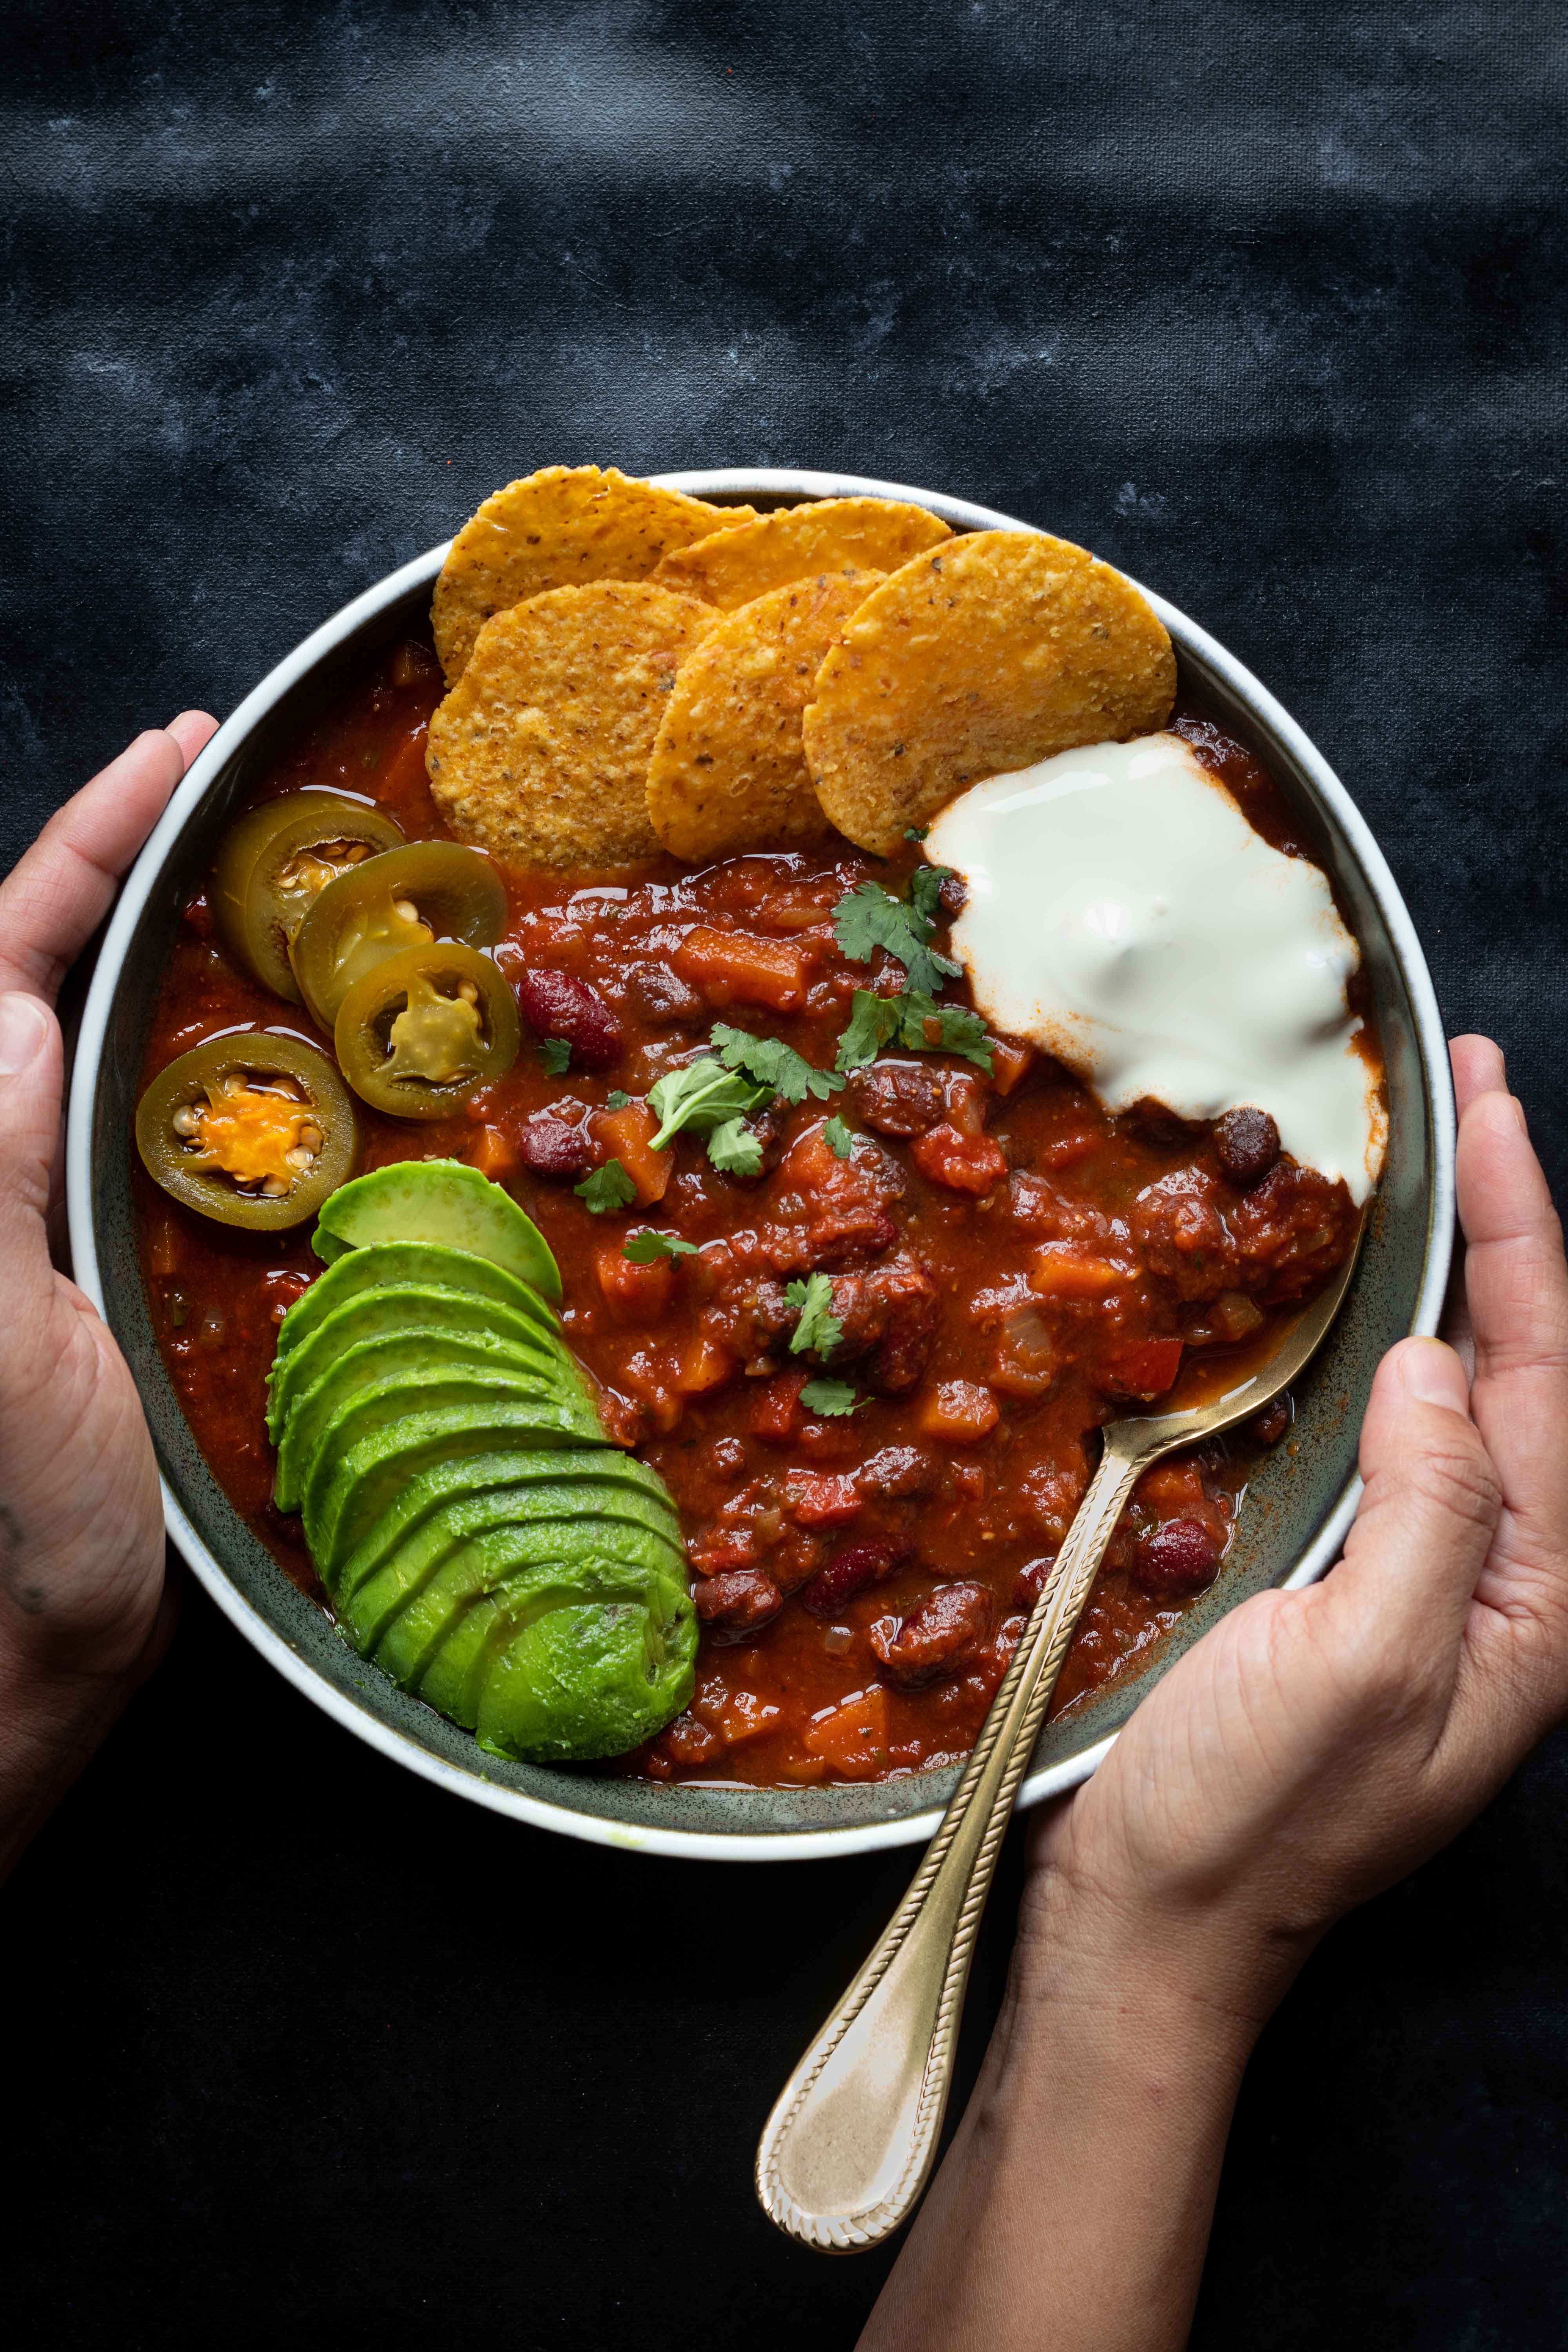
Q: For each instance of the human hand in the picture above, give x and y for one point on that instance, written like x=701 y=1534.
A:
x=1317 y=1745
x=82 y=1612
x=1313 y=1746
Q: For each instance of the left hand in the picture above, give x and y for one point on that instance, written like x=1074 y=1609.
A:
x=82 y=1610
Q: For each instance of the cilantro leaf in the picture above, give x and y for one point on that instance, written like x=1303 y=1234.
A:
x=617 y=1098
x=925 y=893
x=831 y=1397
x=648 y=1248
x=868 y=917
x=818 y=1330
x=701 y=1096
x=956 y=1031
x=773 y=1064
x=873 y=1022
x=839 y=1138
x=607 y=1187
x=555 y=1052
x=916 y=831
x=734 y=1149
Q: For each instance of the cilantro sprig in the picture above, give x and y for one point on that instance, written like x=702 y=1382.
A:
x=607 y=1187
x=828 y=1397
x=839 y=1139
x=555 y=1052
x=915 y=1021
x=773 y=1064
x=868 y=917
x=819 y=1330
x=703 y=1096
x=651 y=1244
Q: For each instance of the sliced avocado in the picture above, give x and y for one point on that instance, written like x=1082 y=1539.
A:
x=367 y=1608
x=582 y=1679
x=569 y=1547
x=382 y=1405
x=446 y=1679
x=367 y=1479
x=382 y=1265
x=399 y=1309
x=454 y=1482
x=444 y=1201
x=398 y=1355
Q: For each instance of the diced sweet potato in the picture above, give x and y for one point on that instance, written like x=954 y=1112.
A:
x=960 y=1412
x=494 y=1153
x=634 y=1294
x=853 y=1740
x=627 y=1135
x=1063 y=1270
x=700 y=1364
x=1009 y=1063
x=739 y=968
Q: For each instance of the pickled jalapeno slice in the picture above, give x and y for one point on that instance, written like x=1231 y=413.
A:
x=250 y=1129
x=422 y=1030
x=405 y=898
x=272 y=865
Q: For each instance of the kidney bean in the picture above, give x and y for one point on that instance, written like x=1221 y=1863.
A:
x=935 y=1639
x=897 y=1097
x=1247 y=1145
x=849 y=1572
x=897 y=1470
x=737 y=1603
x=556 y=1005
x=548 y=1147
x=1179 y=1557
x=1269 y=1425
x=1030 y=1582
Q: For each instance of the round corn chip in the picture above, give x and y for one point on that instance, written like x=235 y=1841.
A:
x=742 y=561
x=999 y=651
x=727 y=771
x=559 y=529
x=540 y=752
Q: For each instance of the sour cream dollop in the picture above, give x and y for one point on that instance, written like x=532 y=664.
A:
x=1124 y=915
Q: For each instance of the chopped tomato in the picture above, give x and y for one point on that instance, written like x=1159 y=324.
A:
x=824 y=1502
x=627 y=1135
x=1066 y=1149
x=776 y=1417
x=961 y=1412
x=634 y=1294
x=739 y=968
x=1144 y=1371
x=1064 y=1270
x=964 y=1163
x=853 y=1739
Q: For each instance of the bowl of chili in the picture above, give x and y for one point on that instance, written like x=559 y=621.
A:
x=1300 y=1496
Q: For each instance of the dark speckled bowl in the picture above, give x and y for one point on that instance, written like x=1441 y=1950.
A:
x=1299 y=1504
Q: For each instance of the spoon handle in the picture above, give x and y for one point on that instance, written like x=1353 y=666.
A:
x=849 y=2145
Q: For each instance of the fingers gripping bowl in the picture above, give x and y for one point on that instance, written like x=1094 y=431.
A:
x=1300 y=1495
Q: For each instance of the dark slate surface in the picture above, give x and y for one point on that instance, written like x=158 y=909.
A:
x=1264 y=303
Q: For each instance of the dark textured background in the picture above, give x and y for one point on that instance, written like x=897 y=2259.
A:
x=1263 y=302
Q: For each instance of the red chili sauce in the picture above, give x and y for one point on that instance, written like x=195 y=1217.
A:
x=1004 y=1278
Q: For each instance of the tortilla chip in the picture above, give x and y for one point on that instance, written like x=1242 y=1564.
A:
x=1002 y=650
x=727 y=771
x=559 y=529
x=739 y=563
x=540 y=752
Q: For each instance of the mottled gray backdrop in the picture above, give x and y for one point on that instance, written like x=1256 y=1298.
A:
x=1265 y=303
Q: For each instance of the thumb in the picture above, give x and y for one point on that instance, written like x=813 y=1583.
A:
x=31 y=1067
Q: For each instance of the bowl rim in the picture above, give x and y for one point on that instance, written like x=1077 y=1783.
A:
x=775 y=482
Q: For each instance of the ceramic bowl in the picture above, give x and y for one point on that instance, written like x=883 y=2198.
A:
x=1302 y=1499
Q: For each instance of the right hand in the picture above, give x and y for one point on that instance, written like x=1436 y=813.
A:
x=1318 y=1744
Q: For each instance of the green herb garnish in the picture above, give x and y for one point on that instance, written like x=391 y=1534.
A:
x=702 y=1096
x=617 y=1098
x=873 y=1022
x=839 y=1140
x=773 y=1064
x=829 y=1397
x=607 y=1187
x=868 y=917
x=818 y=1330
x=555 y=1052
x=646 y=1248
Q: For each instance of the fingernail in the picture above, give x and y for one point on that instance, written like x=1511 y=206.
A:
x=1433 y=1374
x=23 y=1025
x=1518 y=1108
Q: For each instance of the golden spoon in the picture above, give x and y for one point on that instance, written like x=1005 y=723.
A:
x=850 y=2142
